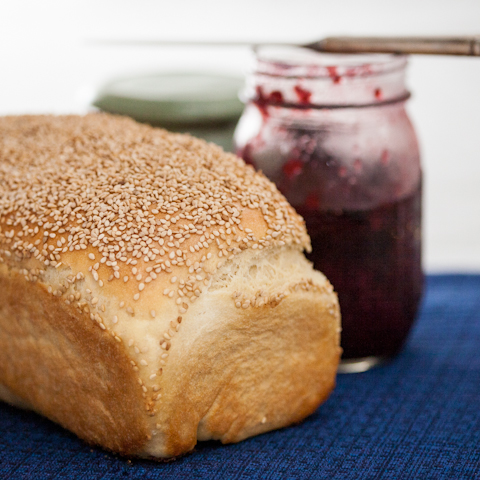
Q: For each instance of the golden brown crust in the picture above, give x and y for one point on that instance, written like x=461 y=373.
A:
x=140 y=267
x=43 y=361
x=254 y=372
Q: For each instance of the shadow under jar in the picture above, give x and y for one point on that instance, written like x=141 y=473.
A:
x=332 y=132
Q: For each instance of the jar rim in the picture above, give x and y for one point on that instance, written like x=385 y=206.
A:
x=295 y=62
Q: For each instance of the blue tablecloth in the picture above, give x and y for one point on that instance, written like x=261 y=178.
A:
x=418 y=417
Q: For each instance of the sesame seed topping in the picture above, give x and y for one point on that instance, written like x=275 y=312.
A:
x=145 y=204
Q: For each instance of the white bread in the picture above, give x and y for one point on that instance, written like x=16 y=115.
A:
x=153 y=289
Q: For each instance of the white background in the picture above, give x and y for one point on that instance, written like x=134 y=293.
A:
x=47 y=65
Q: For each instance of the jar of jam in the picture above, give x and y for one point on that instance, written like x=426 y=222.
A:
x=332 y=132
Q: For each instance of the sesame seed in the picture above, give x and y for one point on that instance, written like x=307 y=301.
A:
x=91 y=256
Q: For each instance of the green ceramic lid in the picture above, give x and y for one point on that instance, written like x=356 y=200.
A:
x=173 y=98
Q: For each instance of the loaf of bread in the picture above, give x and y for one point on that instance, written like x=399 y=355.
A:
x=153 y=289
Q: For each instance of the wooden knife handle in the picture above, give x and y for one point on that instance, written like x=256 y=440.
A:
x=463 y=45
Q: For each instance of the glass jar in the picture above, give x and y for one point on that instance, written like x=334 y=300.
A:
x=332 y=132
x=206 y=105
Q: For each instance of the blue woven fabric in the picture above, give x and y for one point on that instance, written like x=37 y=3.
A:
x=418 y=417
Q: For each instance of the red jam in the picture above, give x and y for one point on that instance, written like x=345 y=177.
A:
x=372 y=258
